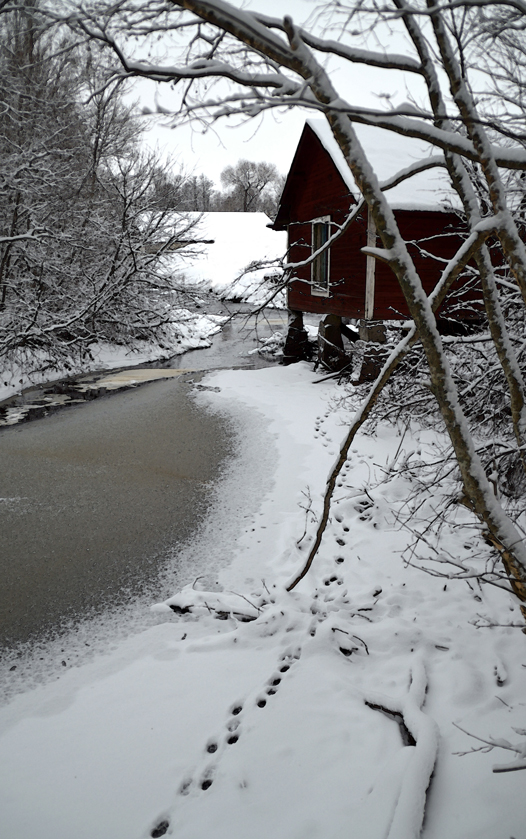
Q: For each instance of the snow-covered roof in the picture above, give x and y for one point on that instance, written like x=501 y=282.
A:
x=239 y=239
x=390 y=153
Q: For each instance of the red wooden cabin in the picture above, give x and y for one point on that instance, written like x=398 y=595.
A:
x=319 y=190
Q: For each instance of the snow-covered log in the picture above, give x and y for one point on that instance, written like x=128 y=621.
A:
x=410 y=806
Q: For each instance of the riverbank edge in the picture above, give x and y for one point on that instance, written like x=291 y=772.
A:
x=37 y=371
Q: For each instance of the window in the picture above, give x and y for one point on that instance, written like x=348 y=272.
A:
x=321 y=266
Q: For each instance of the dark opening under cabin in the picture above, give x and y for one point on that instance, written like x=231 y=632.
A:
x=319 y=193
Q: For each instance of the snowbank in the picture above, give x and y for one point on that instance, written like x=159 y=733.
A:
x=317 y=713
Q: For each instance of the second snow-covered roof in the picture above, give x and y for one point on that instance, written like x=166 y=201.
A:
x=388 y=154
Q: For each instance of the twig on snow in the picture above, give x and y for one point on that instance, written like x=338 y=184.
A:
x=491 y=743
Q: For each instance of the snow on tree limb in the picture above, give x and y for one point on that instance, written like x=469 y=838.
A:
x=388 y=61
x=257 y=33
x=491 y=743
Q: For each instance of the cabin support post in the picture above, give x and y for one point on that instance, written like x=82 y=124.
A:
x=297 y=346
x=330 y=343
x=371 y=330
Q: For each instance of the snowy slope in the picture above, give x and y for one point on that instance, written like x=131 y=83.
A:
x=239 y=239
x=188 y=331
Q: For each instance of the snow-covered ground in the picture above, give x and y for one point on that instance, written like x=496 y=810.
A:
x=199 y=727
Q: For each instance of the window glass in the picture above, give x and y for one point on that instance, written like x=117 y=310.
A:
x=320 y=266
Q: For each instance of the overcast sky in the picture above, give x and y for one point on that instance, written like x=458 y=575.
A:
x=274 y=137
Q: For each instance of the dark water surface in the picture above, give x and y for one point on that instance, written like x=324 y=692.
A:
x=92 y=498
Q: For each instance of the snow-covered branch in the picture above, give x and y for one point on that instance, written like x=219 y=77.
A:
x=491 y=743
x=258 y=33
x=387 y=61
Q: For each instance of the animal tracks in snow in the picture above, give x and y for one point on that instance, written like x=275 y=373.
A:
x=334 y=579
x=320 y=433
x=160 y=829
x=202 y=778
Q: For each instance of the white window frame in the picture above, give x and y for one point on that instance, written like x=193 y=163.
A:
x=322 y=262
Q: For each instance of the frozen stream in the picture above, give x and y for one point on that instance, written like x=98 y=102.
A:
x=94 y=498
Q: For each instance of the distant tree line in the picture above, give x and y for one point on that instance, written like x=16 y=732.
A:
x=248 y=187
